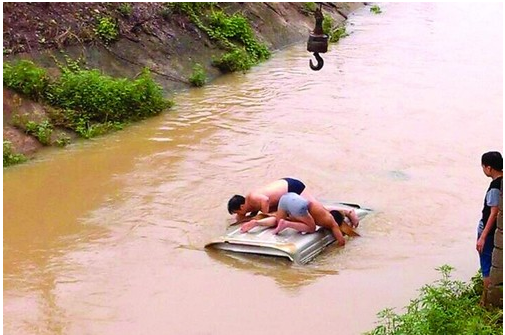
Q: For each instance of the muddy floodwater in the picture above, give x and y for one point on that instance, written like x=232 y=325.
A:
x=107 y=236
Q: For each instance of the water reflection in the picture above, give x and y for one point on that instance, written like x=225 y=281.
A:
x=286 y=274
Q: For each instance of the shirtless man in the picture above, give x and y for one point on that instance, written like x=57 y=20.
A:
x=265 y=199
x=301 y=214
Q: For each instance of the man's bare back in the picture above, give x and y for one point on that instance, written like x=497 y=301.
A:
x=266 y=198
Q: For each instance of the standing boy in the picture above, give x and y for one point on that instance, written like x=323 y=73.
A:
x=492 y=166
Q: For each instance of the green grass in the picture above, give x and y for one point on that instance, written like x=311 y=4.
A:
x=42 y=131
x=232 y=33
x=103 y=98
x=125 y=9
x=11 y=158
x=86 y=101
x=309 y=7
x=106 y=30
x=445 y=307
x=198 y=77
x=27 y=78
x=236 y=60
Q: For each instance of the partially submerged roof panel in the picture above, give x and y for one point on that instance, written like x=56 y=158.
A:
x=298 y=247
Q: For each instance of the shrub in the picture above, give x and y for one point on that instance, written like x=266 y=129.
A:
x=102 y=98
x=87 y=101
x=236 y=60
x=26 y=77
x=125 y=9
x=11 y=158
x=447 y=307
x=42 y=131
x=327 y=24
x=309 y=7
x=334 y=33
x=375 y=9
x=198 y=77
x=146 y=97
x=237 y=28
x=337 y=33
x=106 y=30
x=87 y=129
x=62 y=141
x=232 y=33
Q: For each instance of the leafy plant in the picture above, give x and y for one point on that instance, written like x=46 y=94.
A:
x=446 y=307
x=62 y=141
x=86 y=100
x=106 y=30
x=125 y=9
x=236 y=60
x=42 y=131
x=327 y=24
x=309 y=7
x=87 y=129
x=232 y=33
x=26 y=77
x=375 y=9
x=102 y=98
x=337 y=33
x=236 y=28
x=334 y=33
x=11 y=158
x=198 y=77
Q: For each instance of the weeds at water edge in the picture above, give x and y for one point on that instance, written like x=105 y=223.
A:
x=445 y=307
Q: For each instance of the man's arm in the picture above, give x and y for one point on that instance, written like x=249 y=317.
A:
x=492 y=200
x=489 y=226
x=264 y=202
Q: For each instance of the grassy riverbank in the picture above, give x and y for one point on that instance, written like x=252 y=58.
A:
x=447 y=306
x=83 y=101
x=119 y=46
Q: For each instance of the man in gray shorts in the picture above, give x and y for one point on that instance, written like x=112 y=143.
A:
x=296 y=208
x=294 y=205
x=301 y=214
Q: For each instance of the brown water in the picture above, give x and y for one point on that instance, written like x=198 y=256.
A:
x=107 y=236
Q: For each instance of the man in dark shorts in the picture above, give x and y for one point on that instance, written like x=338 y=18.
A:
x=294 y=185
x=303 y=215
x=266 y=198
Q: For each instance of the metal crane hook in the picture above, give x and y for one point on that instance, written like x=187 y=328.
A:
x=318 y=40
x=320 y=62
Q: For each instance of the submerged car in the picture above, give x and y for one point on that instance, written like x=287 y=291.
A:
x=298 y=247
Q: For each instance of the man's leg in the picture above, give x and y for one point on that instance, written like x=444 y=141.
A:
x=302 y=224
x=266 y=222
x=486 y=258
